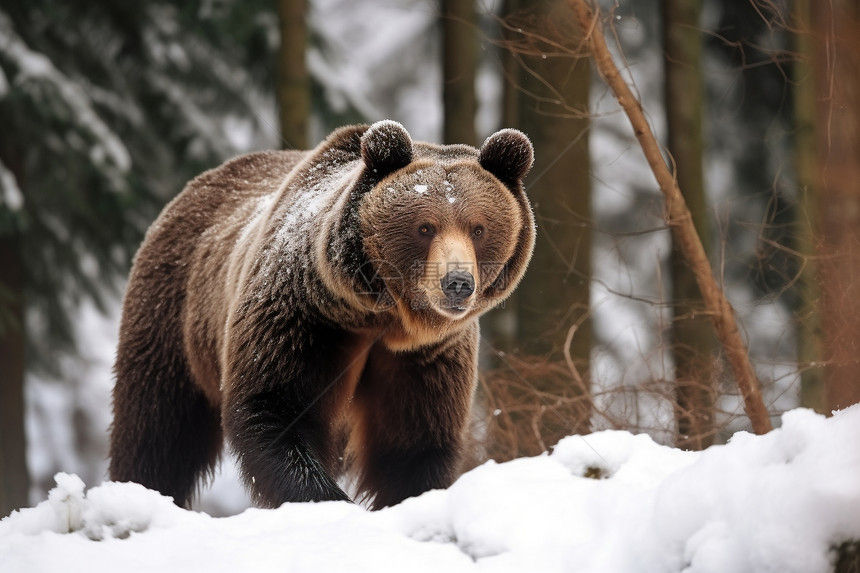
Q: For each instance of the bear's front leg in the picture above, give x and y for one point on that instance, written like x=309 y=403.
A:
x=412 y=413
x=281 y=402
x=284 y=453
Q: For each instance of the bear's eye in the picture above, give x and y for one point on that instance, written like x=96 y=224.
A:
x=478 y=231
x=427 y=230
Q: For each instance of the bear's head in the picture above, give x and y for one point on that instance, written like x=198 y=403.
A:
x=448 y=229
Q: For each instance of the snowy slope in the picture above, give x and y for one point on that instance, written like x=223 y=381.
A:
x=761 y=503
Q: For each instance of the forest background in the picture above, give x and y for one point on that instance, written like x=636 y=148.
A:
x=107 y=108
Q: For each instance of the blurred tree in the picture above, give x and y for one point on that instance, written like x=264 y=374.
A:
x=14 y=479
x=548 y=85
x=369 y=61
x=499 y=326
x=693 y=340
x=749 y=122
x=553 y=110
x=106 y=110
x=459 y=68
x=808 y=224
x=294 y=85
x=836 y=31
x=510 y=65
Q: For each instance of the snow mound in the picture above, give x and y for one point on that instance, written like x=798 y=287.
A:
x=114 y=510
x=607 y=502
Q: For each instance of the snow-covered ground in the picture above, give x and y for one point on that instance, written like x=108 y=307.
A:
x=778 y=502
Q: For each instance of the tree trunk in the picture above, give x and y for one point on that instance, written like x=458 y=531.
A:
x=553 y=297
x=510 y=70
x=293 y=82
x=14 y=477
x=693 y=341
x=807 y=225
x=555 y=292
x=459 y=69
x=836 y=28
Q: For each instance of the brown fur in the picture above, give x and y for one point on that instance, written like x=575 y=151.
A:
x=292 y=301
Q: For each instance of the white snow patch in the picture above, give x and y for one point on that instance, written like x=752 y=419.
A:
x=240 y=132
x=310 y=200
x=422 y=189
x=777 y=502
x=263 y=204
x=10 y=193
x=4 y=84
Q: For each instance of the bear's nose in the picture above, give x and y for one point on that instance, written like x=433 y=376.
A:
x=457 y=286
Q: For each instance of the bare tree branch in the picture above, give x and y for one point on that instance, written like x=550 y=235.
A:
x=680 y=220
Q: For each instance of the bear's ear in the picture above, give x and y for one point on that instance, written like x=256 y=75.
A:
x=508 y=154
x=386 y=147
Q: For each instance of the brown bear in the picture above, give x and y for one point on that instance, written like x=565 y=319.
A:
x=320 y=309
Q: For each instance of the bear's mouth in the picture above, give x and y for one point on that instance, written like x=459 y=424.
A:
x=451 y=309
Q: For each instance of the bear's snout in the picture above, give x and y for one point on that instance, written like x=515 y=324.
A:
x=458 y=286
